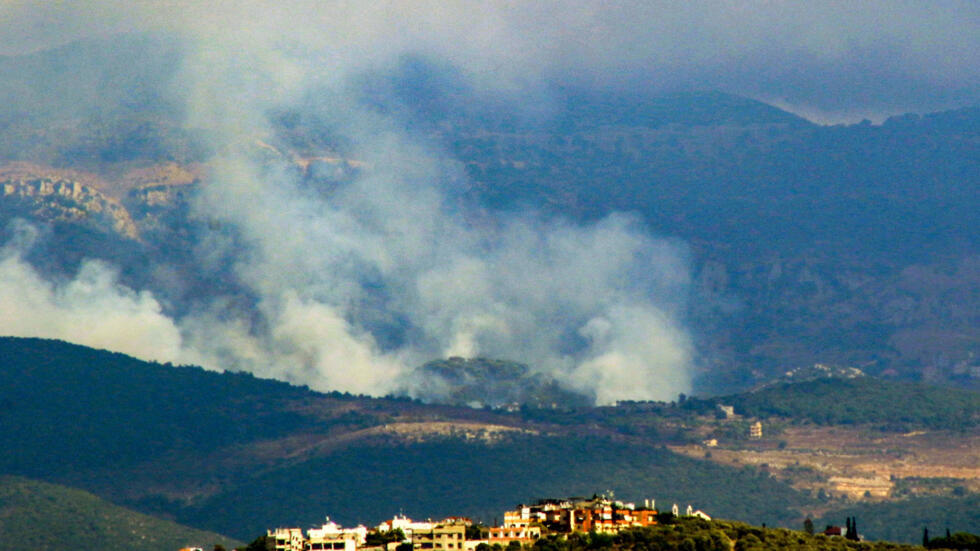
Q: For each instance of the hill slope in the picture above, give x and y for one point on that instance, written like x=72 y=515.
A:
x=841 y=244
x=864 y=400
x=36 y=516
x=213 y=450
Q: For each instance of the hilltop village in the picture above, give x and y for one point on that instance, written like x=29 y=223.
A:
x=522 y=526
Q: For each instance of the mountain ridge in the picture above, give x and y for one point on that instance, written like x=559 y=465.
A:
x=845 y=244
x=211 y=449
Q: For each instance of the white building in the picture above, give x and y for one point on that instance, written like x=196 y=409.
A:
x=287 y=539
x=406 y=525
x=331 y=530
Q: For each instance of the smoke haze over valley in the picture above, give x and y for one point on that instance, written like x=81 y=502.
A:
x=355 y=190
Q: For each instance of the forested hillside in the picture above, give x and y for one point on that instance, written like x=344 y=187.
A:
x=212 y=450
x=37 y=516
x=846 y=244
x=893 y=406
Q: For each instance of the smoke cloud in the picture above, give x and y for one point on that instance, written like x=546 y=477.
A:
x=350 y=288
x=828 y=61
x=92 y=308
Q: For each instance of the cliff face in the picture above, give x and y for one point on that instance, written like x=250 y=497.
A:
x=62 y=200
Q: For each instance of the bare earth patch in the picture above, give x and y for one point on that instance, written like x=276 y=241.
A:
x=856 y=462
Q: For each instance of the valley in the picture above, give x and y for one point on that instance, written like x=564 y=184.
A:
x=240 y=443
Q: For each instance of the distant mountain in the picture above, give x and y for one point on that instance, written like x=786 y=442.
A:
x=430 y=96
x=847 y=244
x=37 y=516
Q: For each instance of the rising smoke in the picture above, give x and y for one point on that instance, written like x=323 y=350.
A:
x=386 y=272
x=91 y=308
x=351 y=289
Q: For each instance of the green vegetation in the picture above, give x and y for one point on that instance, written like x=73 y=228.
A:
x=213 y=450
x=450 y=476
x=932 y=486
x=689 y=534
x=107 y=410
x=36 y=516
x=959 y=540
x=377 y=539
x=888 y=405
x=904 y=520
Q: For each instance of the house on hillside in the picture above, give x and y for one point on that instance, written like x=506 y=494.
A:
x=287 y=539
x=515 y=528
x=448 y=535
x=835 y=531
x=328 y=537
x=583 y=515
x=331 y=537
x=728 y=412
x=406 y=525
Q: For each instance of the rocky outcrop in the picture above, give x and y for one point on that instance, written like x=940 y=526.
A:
x=56 y=199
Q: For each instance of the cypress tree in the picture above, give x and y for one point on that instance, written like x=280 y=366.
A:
x=925 y=536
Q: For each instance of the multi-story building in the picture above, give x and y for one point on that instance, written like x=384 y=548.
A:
x=524 y=525
x=444 y=536
x=287 y=539
x=327 y=541
x=584 y=515
x=518 y=530
x=330 y=536
x=406 y=525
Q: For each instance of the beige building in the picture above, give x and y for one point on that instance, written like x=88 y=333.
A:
x=517 y=527
x=331 y=542
x=443 y=537
x=287 y=539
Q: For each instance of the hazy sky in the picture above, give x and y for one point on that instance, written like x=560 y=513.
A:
x=830 y=61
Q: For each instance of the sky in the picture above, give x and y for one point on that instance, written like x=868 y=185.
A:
x=829 y=61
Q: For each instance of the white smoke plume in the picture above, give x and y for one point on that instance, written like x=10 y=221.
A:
x=354 y=288
x=92 y=308
x=351 y=289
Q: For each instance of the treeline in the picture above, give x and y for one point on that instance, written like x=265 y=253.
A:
x=692 y=534
x=959 y=540
x=904 y=520
x=888 y=405
x=105 y=409
x=885 y=405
